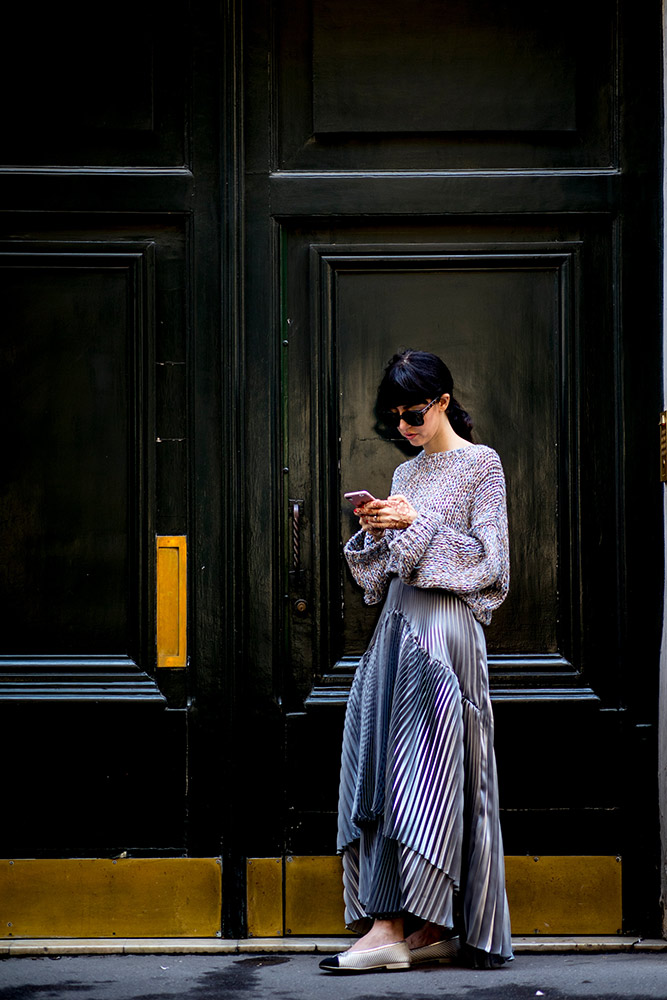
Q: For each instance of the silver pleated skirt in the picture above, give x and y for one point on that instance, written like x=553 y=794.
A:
x=418 y=806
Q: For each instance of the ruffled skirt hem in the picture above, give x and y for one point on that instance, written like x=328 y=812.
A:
x=422 y=891
x=418 y=805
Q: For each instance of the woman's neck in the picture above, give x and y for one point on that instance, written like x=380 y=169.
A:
x=445 y=440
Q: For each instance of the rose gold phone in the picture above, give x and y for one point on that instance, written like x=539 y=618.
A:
x=360 y=498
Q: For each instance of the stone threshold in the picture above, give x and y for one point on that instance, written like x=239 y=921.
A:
x=36 y=947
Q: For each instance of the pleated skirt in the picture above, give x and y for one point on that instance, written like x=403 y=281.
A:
x=418 y=806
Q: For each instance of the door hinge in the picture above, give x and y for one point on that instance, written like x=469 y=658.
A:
x=663 y=446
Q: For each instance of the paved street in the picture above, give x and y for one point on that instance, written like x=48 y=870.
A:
x=297 y=977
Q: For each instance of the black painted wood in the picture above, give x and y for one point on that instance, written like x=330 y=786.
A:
x=504 y=314
x=385 y=229
x=216 y=734
x=378 y=68
x=117 y=196
x=80 y=788
x=100 y=680
x=242 y=231
x=76 y=350
x=490 y=87
x=110 y=90
x=427 y=193
x=640 y=497
x=90 y=189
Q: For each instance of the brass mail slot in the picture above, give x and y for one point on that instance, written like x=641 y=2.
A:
x=172 y=601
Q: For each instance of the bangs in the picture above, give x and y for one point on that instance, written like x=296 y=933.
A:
x=401 y=387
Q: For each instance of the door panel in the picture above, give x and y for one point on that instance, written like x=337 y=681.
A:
x=97 y=93
x=91 y=314
x=507 y=316
x=494 y=70
x=73 y=353
x=497 y=322
x=378 y=85
x=91 y=321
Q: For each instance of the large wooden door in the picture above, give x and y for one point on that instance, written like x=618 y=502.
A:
x=478 y=180
x=112 y=346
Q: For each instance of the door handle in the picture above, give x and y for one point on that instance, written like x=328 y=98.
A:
x=296 y=509
x=172 y=601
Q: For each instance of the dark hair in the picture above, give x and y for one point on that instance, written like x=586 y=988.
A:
x=415 y=377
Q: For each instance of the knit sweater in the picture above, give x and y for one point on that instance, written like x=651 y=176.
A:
x=458 y=541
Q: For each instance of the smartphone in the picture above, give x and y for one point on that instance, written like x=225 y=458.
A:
x=359 y=498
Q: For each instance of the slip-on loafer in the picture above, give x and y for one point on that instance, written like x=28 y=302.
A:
x=440 y=951
x=386 y=957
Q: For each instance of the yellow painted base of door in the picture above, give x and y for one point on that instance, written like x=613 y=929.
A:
x=548 y=895
x=92 y=898
x=182 y=897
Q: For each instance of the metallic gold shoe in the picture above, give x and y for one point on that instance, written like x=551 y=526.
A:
x=386 y=957
x=440 y=951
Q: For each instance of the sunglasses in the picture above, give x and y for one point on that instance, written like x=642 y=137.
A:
x=415 y=418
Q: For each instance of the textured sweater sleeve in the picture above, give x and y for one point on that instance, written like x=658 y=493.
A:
x=368 y=559
x=431 y=553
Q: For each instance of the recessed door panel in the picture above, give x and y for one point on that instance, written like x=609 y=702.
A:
x=498 y=325
x=72 y=356
x=497 y=69
x=506 y=317
x=102 y=90
x=93 y=350
x=439 y=85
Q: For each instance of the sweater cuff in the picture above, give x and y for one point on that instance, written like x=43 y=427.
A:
x=363 y=548
x=407 y=547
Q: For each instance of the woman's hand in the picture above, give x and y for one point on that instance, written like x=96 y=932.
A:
x=395 y=512
x=401 y=512
x=368 y=519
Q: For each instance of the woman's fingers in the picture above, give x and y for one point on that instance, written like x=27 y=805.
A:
x=395 y=512
x=372 y=521
x=379 y=519
x=401 y=510
x=370 y=508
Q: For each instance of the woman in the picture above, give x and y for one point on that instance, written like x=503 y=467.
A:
x=418 y=809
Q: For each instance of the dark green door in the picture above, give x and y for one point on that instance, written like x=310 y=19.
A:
x=478 y=183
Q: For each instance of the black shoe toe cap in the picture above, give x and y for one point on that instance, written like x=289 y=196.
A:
x=330 y=962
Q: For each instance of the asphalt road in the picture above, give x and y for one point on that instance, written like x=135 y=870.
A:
x=297 y=977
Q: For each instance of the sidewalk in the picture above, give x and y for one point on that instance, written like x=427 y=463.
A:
x=586 y=974
x=40 y=947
